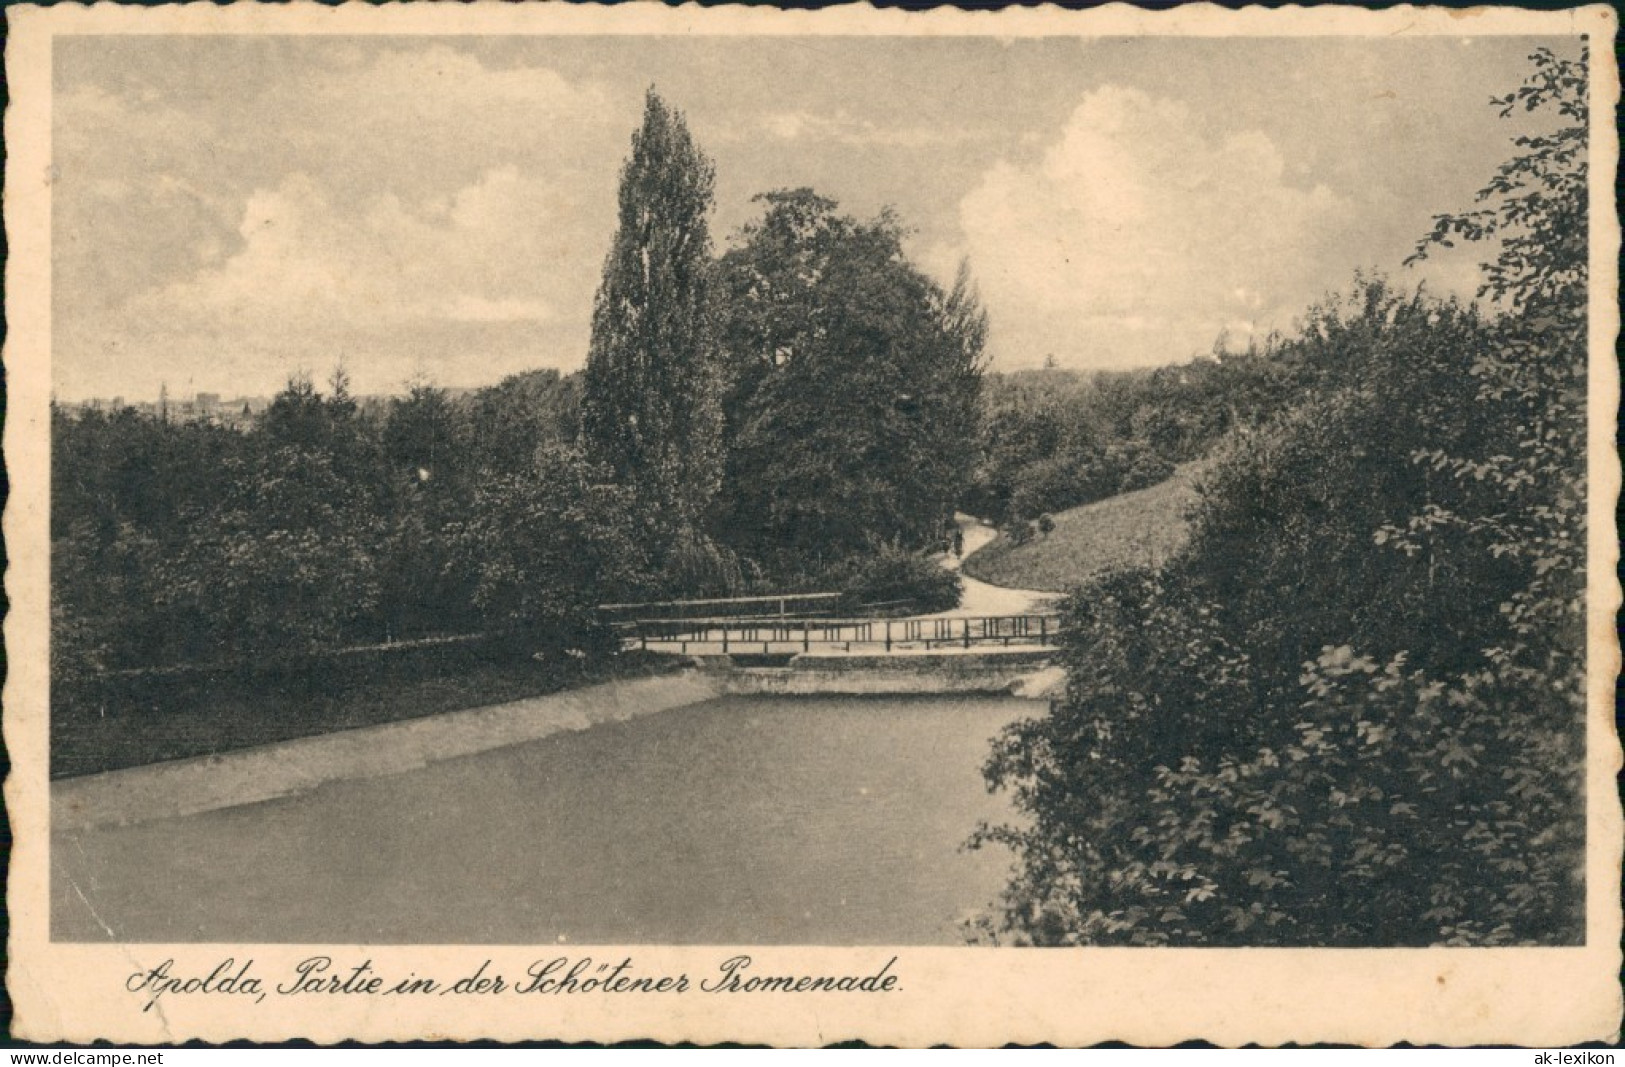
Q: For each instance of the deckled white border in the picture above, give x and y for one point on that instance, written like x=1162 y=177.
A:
x=959 y=996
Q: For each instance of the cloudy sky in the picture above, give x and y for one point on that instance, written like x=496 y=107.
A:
x=230 y=209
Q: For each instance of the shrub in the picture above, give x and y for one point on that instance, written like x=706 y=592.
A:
x=549 y=546
x=892 y=573
x=1059 y=482
x=283 y=564
x=1143 y=467
x=696 y=566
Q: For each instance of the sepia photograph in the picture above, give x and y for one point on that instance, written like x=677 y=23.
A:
x=693 y=478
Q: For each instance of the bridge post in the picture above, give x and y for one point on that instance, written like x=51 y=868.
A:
x=806 y=637
x=888 y=635
x=967 y=631
x=1043 y=630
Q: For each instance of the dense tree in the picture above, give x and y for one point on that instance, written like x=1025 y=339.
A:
x=649 y=407
x=550 y=544
x=127 y=490
x=326 y=525
x=285 y=563
x=852 y=382
x=425 y=437
x=509 y=421
x=1351 y=712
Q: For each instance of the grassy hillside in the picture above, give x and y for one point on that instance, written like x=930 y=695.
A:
x=1148 y=524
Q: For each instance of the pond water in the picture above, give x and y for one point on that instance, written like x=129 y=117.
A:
x=746 y=820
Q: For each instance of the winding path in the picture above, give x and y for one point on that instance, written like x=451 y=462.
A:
x=978 y=598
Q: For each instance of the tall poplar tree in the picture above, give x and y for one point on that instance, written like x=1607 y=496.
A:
x=650 y=405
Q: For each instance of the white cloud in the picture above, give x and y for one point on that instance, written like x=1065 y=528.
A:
x=843 y=128
x=1137 y=235
x=481 y=255
x=407 y=206
x=463 y=286
x=466 y=308
x=428 y=125
x=397 y=100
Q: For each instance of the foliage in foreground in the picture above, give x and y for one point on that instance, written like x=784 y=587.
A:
x=1352 y=712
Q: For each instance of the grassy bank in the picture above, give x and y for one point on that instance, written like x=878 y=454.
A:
x=1147 y=525
x=176 y=718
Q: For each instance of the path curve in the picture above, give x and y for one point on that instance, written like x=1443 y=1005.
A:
x=977 y=597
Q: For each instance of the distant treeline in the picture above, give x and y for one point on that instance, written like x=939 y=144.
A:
x=321 y=526
x=1054 y=439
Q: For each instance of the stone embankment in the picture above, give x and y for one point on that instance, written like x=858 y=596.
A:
x=288 y=768
x=1019 y=671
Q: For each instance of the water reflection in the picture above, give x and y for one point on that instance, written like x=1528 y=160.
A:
x=788 y=820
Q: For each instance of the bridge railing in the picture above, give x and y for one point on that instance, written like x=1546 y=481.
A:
x=741 y=635
x=776 y=606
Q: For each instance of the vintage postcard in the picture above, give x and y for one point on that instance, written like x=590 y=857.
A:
x=723 y=524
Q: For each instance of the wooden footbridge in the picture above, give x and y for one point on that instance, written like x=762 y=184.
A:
x=790 y=624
